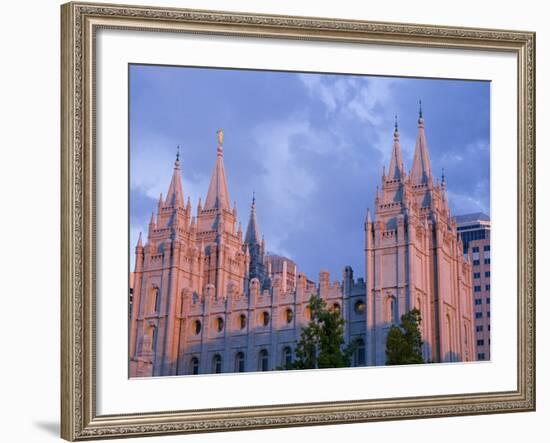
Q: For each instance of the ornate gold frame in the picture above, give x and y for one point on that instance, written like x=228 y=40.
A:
x=79 y=420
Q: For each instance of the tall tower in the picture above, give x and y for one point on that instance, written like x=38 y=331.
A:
x=166 y=264
x=413 y=259
x=255 y=246
x=226 y=263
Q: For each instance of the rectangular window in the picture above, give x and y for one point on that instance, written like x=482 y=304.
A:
x=487 y=261
x=488 y=300
x=488 y=327
x=477 y=288
x=479 y=328
x=487 y=287
x=481 y=356
x=475 y=249
x=477 y=274
x=479 y=314
x=487 y=248
x=478 y=301
x=480 y=342
x=487 y=273
x=476 y=262
x=488 y=314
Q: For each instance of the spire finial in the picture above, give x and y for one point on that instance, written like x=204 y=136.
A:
x=419 y=108
x=253 y=197
x=396 y=128
x=177 y=162
x=220 y=141
x=442 y=176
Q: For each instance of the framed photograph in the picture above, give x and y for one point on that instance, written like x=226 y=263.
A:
x=277 y=221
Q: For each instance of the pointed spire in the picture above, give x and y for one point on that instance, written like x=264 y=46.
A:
x=252 y=236
x=159 y=203
x=175 y=191
x=218 y=195
x=396 y=162
x=368 y=218
x=139 y=243
x=421 y=172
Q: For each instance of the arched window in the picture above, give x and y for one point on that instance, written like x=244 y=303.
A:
x=336 y=308
x=263 y=361
x=197 y=326
x=155 y=299
x=359 y=307
x=289 y=315
x=219 y=324
x=242 y=321
x=239 y=362
x=360 y=352
x=287 y=356
x=308 y=312
x=153 y=339
x=391 y=309
x=194 y=366
x=217 y=364
x=265 y=318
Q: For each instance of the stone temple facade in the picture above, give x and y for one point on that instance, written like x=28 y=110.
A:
x=207 y=298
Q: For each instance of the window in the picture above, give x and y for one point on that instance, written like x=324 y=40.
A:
x=487 y=273
x=477 y=288
x=487 y=261
x=217 y=364
x=488 y=327
x=219 y=324
x=239 y=362
x=263 y=362
x=287 y=356
x=194 y=366
x=359 y=307
x=360 y=352
x=477 y=301
x=475 y=249
x=265 y=318
x=477 y=274
x=487 y=248
x=242 y=321
x=336 y=308
x=480 y=342
x=391 y=310
x=154 y=339
x=197 y=326
x=289 y=315
x=476 y=262
x=488 y=300
x=479 y=328
x=157 y=299
x=488 y=314
x=479 y=314
x=481 y=356
x=487 y=287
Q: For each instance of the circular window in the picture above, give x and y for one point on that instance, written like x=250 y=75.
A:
x=219 y=324
x=289 y=315
x=265 y=318
x=242 y=321
x=197 y=326
x=360 y=307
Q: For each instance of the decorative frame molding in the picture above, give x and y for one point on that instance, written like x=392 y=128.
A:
x=80 y=21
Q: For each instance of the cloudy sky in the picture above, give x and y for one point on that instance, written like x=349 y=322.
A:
x=312 y=147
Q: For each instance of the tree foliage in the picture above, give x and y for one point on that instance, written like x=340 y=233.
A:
x=322 y=342
x=404 y=342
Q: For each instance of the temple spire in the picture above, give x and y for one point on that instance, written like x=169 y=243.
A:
x=421 y=172
x=175 y=191
x=252 y=236
x=396 y=162
x=218 y=195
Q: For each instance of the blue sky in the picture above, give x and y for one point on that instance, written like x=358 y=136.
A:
x=312 y=147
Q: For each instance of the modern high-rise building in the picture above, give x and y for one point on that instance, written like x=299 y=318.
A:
x=208 y=299
x=475 y=231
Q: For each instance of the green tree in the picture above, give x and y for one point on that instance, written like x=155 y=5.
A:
x=321 y=342
x=404 y=342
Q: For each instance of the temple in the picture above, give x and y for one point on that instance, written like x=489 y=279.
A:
x=205 y=299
